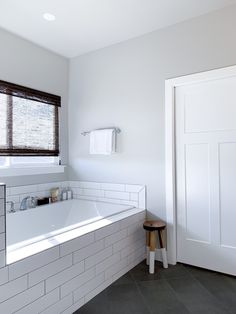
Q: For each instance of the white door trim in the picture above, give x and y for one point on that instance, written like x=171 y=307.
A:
x=170 y=158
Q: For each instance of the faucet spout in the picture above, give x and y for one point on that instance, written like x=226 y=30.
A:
x=23 y=205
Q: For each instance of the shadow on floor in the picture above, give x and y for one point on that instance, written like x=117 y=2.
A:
x=179 y=289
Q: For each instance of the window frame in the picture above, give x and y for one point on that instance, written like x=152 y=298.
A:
x=13 y=90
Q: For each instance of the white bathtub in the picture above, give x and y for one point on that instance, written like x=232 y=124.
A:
x=36 y=224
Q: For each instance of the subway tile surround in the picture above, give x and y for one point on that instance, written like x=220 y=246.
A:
x=126 y=194
x=64 y=277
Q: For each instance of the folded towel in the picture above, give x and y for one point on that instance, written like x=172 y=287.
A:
x=102 y=142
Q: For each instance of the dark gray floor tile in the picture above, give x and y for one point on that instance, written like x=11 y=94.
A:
x=160 y=298
x=97 y=305
x=180 y=289
x=116 y=299
x=126 y=279
x=223 y=287
x=141 y=272
x=126 y=299
x=195 y=297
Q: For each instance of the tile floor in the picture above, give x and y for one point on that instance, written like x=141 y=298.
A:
x=180 y=289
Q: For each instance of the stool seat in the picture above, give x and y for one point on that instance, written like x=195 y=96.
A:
x=152 y=225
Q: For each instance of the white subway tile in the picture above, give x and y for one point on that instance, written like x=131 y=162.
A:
x=86 y=198
x=78 y=191
x=64 y=276
x=92 y=192
x=133 y=188
x=117 y=195
x=47 y=186
x=136 y=228
x=14 y=198
x=74 y=184
x=23 y=189
x=100 y=256
x=109 y=240
x=142 y=199
x=129 y=203
x=124 y=223
x=115 y=268
x=134 y=196
x=132 y=248
x=88 y=287
x=22 y=299
x=108 y=262
x=49 y=270
x=90 y=185
x=33 y=262
x=118 y=246
x=110 y=200
x=76 y=244
x=8 y=192
x=88 y=251
x=113 y=187
x=12 y=288
x=2 y=258
x=129 y=241
x=77 y=281
x=74 y=307
x=122 y=272
x=3 y=275
x=106 y=231
x=42 y=303
x=97 y=290
x=136 y=254
x=2 y=241
x=60 y=306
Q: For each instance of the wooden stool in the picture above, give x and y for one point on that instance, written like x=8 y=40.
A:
x=151 y=227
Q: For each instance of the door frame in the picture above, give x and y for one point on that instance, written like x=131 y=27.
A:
x=170 y=153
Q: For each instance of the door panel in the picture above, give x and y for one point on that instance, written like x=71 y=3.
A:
x=197 y=192
x=206 y=174
x=227 y=194
x=210 y=106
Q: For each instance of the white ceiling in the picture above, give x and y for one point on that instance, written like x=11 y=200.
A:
x=86 y=25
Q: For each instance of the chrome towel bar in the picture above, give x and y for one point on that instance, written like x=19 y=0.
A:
x=116 y=130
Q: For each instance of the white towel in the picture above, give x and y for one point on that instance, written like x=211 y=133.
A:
x=102 y=142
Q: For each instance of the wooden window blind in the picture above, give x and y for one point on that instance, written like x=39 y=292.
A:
x=29 y=121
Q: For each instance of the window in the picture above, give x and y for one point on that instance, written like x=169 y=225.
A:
x=29 y=125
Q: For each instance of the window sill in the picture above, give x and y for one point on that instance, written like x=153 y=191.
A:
x=30 y=170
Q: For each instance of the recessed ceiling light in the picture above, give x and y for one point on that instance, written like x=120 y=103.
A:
x=49 y=17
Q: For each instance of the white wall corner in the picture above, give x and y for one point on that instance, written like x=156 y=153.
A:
x=142 y=198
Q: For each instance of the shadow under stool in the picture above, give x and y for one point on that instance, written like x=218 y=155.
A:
x=151 y=227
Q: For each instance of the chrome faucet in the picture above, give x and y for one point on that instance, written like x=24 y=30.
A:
x=12 y=209
x=23 y=204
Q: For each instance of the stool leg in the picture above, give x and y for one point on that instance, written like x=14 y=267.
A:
x=152 y=252
x=147 y=246
x=163 y=249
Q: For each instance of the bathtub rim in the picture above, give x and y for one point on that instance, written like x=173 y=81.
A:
x=43 y=245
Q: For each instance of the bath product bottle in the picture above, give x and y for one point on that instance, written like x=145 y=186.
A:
x=69 y=194
x=54 y=195
x=64 y=195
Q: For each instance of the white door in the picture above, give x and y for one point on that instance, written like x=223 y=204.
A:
x=206 y=174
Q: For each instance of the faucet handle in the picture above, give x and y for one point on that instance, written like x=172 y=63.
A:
x=33 y=201
x=12 y=209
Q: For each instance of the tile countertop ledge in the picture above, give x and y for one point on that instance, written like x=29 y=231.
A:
x=43 y=245
x=30 y=170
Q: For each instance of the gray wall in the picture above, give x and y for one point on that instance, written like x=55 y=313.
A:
x=24 y=63
x=123 y=85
